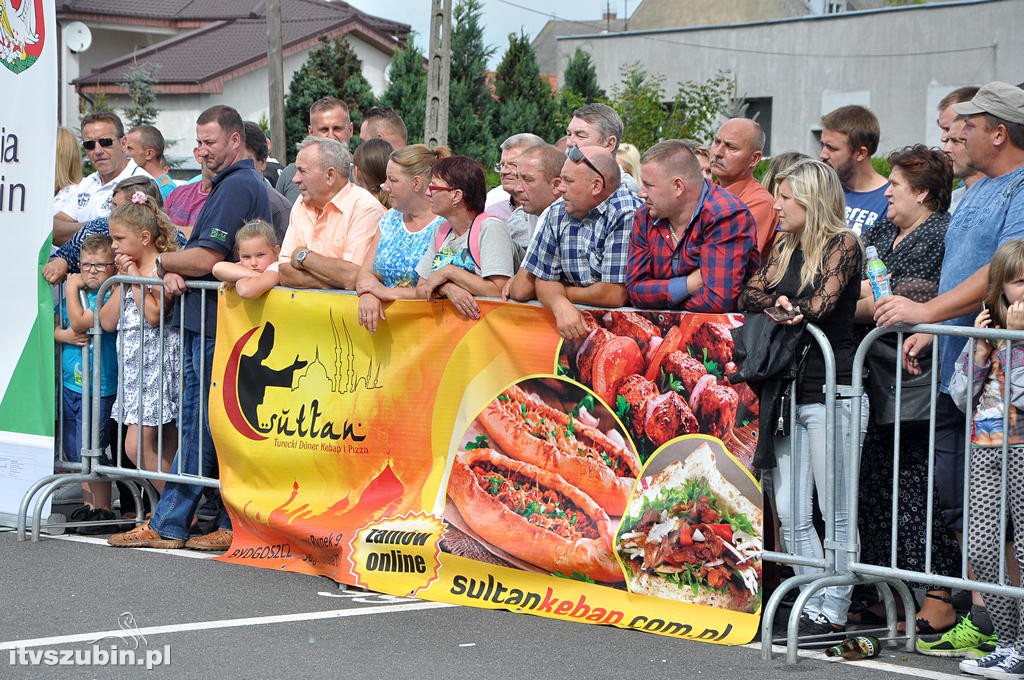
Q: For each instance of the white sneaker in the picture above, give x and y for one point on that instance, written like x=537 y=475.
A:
x=1010 y=668
x=984 y=664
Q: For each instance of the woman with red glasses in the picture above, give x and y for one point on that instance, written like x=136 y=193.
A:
x=472 y=253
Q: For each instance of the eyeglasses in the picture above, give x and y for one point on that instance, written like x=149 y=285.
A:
x=105 y=142
x=433 y=187
x=498 y=167
x=576 y=156
x=94 y=266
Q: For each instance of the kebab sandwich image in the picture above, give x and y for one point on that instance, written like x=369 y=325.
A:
x=690 y=535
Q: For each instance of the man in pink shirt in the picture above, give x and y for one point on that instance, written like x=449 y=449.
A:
x=334 y=223
x=735 y=153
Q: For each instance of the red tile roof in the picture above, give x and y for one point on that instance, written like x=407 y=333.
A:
x=229 y=37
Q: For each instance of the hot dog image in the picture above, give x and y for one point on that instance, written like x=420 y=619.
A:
x=692 y=536
x=534 y=515
x=523 y=426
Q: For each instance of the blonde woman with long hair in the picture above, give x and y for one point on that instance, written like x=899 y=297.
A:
x=812 y=271
x=68 y=170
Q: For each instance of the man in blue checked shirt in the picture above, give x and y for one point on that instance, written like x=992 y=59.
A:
x=580 y=252
x=693 y=244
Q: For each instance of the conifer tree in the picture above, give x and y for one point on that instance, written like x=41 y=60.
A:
x=331 y=69
x=581 y=78
x=407 y=89
x=526 y=101
x=471 y=103
x=138 y=82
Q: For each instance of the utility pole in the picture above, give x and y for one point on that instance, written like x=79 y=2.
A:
x=275 y=74
x=439 y=73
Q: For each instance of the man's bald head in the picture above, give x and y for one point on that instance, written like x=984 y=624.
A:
x=589 y=176
x=736 y=150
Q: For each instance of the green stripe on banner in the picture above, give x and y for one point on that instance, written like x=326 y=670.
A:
x=28 y=404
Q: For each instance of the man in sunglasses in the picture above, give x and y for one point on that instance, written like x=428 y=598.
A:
x=579 y=253
x=103 y=141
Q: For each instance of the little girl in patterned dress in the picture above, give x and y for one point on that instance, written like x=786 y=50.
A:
x=995 y=364
x=148 y=347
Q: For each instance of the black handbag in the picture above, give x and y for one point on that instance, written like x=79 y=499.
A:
x=916 y=397
x=784 y=402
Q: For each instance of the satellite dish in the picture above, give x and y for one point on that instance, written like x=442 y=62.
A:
x=77 y=36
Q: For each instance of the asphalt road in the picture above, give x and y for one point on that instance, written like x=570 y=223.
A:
x=226 y=621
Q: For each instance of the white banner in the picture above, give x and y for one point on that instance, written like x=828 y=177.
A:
x=28 y=81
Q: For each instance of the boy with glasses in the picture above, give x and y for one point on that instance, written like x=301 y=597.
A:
x=74 y=318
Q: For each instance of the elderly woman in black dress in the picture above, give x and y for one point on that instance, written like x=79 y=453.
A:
x=911 y=243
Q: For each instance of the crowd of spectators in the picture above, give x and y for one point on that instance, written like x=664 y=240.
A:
x=592 y=221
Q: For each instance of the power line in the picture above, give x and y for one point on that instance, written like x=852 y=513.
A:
x=552 y=16
x=682 y=43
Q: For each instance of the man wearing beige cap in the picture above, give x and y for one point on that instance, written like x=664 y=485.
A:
x=991 y=213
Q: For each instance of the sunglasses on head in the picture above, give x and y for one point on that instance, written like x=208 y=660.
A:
x=577 y=156
x=105 y=142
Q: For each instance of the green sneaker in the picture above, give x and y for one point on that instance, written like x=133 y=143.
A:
x=984 y=648
x=963 y=640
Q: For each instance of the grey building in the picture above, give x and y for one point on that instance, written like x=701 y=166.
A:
x=898 y=61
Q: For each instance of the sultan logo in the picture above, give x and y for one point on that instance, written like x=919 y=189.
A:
x=306 y=386
x=21 y=33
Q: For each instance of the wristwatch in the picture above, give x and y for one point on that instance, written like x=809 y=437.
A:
x=300 y=257
x=159 y=267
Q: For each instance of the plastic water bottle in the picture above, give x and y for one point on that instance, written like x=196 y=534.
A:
x=855 y=648
x=878 y=275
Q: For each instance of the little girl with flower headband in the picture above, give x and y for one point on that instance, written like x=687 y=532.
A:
x=148 y=348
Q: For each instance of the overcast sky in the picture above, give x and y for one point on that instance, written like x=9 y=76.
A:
x=500 y=17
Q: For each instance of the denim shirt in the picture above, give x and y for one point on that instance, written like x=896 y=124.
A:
x=991 y=212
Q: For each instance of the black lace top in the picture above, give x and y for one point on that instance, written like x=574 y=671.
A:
x=828 y=304
x=915 y=262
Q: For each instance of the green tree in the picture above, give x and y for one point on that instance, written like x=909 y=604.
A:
x=639 y=98
x=138 y=81
x=698 y=106
x=407 y=88
x=331 y=69
x=581 y=78
x=527 y=102
x=471 y=103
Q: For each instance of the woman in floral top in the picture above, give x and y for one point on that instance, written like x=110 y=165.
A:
x=406 y=232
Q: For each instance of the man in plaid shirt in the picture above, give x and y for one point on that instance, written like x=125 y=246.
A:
x=580 y=251
x=693 y=244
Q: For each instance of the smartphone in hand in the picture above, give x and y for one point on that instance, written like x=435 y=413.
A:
x=782 y=314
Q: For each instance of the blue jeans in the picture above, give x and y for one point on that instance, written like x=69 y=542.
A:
x=801 y=468
x=173 y=514
x=950 y=457
x=71 y=426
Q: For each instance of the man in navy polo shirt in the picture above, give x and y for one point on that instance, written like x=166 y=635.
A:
x=238 y=194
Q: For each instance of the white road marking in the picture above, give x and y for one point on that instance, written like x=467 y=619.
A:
x=180 y=552
x=384 y=609
x=225 y=623
x=875 y=664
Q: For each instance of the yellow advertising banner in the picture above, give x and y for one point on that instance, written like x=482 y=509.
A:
x=487 y=463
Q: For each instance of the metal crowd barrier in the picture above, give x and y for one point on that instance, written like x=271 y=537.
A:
x=828 y=575
x=861 y=572
x=885 y=576
x=138 y=477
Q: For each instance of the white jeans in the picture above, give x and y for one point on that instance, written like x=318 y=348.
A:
x=801 y=463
